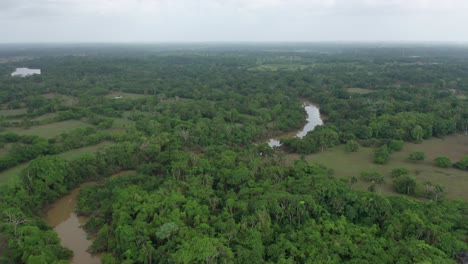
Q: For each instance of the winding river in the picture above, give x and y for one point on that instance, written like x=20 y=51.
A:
x=62 y=217
x=313 y=120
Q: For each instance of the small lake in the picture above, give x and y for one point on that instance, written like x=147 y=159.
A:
x=313 y=120
x=62 y=217
x=23 y=72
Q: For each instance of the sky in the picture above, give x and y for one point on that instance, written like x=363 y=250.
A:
x=233 y=21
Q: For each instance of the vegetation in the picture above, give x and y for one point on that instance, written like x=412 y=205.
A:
x=192 y=123
x=417 y=156
x=381 y=155
x=443 y=162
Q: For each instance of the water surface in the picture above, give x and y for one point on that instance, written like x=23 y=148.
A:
x=313 y=120
x=62 y=217
x=23 y=72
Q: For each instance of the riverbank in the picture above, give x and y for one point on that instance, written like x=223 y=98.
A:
x=67 y=224
x=62 y=217
x=313 y=119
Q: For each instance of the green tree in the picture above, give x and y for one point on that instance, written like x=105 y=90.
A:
x=443 y=162
x=405 y=184
x=462 y=164
x=352 y=146
x=417 y=156
x=417 y=133
x=397 y=172
x=381 y=155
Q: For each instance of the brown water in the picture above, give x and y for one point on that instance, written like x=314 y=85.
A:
x=62 y=217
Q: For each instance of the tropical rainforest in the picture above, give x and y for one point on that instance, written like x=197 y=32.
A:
x=189 y=123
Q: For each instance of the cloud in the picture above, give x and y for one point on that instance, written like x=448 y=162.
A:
x=227 y=20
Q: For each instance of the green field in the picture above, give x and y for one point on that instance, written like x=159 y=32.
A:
x=75 y=153
x=7 y=176
x=64 y=99
x=346 y=165
x=11 y=112
x=359 y=90
x=127 y=95
x=277 y=67
x=48 y=130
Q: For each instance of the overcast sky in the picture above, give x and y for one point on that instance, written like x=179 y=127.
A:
x=233 y=20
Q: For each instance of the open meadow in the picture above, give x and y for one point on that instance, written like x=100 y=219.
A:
x=47 y=130
x=352 y=164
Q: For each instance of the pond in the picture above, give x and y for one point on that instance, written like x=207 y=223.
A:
x=313 y=120
x=23 y=72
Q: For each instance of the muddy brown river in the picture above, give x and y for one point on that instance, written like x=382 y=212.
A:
x=62 y=217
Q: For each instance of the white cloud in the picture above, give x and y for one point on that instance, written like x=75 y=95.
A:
x=212 y=20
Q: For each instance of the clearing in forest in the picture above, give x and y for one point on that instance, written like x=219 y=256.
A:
x=347 y=165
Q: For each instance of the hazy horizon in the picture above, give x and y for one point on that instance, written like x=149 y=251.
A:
x=234 y=21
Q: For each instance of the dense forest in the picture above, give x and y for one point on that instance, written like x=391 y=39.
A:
x=191 y=122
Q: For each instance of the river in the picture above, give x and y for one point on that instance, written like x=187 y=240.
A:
x=313 y=120
x=62 y=217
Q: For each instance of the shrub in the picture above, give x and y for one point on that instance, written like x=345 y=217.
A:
x=396 y=145
x=417 y=156
x=405 y=185
x=352 y=146
x=399 y=171
x=381 y=155
x=443 y=162
x=372 y=176
x=462 y=164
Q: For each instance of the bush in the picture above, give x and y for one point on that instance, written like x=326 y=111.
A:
x=381 y=155
x=443 y=162
x=396 y=145
x=405 y=185
x=462 y=164
x=399 y=171
x=352 y=146
x=372 y=176
x=417 y=156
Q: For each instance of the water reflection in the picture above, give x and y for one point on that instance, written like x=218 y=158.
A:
x=23 y=72
x=313 y=120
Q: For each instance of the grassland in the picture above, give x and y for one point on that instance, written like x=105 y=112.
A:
x=9 y=175
x=64 y=99
x=346 y=165
x=48 y=130
x=127 y=95
x=277 y=67
x=12 y=112
x=359 y=90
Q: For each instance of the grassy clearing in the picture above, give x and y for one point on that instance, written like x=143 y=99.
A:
x=347 y=165
x=75 y=153
x=277 y=67
x=48 y=130
x=12 y=112
x=359 y=90
x=9 y=176
x=45 y=116
x=64 y=99
x=127 y=95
